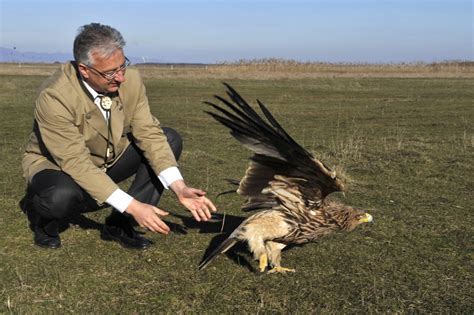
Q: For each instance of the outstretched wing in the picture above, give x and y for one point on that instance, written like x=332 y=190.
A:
x=278 y=161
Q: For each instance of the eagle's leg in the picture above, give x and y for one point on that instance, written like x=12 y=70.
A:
x=263 y=262
x=259 y=252
x=274 y=255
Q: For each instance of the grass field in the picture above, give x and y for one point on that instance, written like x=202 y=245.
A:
x=404 y=144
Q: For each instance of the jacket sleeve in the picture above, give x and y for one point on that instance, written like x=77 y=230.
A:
x=60 y=134
x=148 y=134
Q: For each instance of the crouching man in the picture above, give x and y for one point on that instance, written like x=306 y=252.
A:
x=93 y=129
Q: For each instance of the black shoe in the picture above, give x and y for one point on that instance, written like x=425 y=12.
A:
x=125 y=236
x=45 y=231
x=42 y=239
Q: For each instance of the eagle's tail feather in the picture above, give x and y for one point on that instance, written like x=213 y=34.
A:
x=222 y=248
x=231 y=191
x=231 y=181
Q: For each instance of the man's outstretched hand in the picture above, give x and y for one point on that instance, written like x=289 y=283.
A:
x=148 y=216
x=194 y=200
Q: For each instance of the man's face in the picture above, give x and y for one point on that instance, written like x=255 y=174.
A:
x=94 y=76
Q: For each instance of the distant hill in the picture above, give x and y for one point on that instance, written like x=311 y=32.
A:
x=13 y=55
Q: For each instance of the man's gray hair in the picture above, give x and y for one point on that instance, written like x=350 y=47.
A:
x=96 y=38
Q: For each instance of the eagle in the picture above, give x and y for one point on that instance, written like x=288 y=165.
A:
x=284 y=183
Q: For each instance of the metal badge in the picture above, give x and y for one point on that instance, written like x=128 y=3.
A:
x=105 y=102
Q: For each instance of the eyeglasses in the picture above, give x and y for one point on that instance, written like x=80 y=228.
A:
x=110 y=75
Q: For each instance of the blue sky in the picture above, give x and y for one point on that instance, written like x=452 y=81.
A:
x=229 y=30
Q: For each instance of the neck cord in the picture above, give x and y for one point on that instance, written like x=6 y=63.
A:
x=106 y=104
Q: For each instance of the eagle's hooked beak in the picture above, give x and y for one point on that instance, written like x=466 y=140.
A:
x=366 y=218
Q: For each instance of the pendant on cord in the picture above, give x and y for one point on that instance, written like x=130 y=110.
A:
x=105 y=102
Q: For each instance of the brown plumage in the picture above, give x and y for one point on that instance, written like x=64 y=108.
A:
x=285 y=183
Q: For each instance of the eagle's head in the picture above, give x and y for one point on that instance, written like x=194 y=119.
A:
x=354 y=217
x=346 y=217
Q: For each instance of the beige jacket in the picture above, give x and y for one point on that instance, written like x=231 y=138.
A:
x=70 y=132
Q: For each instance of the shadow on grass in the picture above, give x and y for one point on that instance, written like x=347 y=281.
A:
x=83 y=221
x=224 y=225
x=219 y=223
x=88 y=224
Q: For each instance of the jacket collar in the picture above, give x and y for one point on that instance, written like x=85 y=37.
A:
x=94 y=116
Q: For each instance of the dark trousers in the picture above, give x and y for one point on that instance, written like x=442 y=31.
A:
x=55 y=196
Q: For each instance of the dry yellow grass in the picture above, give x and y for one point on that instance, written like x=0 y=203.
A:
x=276 y=69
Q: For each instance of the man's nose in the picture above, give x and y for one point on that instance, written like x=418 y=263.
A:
x=120 y=76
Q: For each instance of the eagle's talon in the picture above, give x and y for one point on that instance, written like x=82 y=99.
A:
x=280 y=269
x=263 y=262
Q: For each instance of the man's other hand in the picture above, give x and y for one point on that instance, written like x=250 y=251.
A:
x=194 y=200
x=148 y=216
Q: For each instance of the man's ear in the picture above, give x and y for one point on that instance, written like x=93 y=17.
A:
x=83 y=70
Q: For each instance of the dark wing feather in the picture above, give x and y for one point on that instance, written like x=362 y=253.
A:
x=222 y=248
x=278 y=160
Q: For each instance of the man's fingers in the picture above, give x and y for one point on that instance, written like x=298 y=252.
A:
x=201 y=209
x=156 y=225
x=162 y=230
x=196 y=215
x=201 y=213
x=163 y=227
x=152 y=226
x=206 y=206
x=160 y=212
x=206 y=212
x=209 y=204
x=196 y=202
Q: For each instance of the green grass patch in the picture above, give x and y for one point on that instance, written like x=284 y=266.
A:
x=404 y=145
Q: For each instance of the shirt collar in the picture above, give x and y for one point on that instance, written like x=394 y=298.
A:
x=91 y=90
